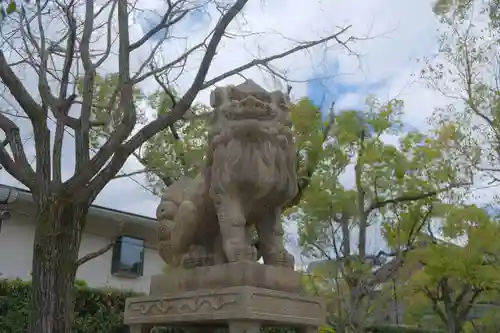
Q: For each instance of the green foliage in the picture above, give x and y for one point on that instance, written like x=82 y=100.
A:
x=326 y=329
x=444 y=7
x=307 y=128
x=173 y=157
x=383 y=173
x=105 y=111
x=95 y=310
x=460 y=9
x=467 y=71
x=394 y=187
x=399 y=329
x=455 y=279
x=488 y=320
x=457 y=276
x=165 y=156
x=7 y=8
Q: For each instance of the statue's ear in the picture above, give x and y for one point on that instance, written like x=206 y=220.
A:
x=218 y=96
x=280 y=99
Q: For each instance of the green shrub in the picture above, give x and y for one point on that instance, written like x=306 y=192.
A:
x=95 y=310
x=398 y=329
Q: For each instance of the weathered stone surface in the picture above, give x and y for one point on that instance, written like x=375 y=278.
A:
x=248 y=175
x=226 y=275
x=225 y=305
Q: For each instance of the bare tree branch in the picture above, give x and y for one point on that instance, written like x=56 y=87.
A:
x=411 y=197
x=18 y=166
x=119 y=152
x=37 y=115
x=32 y=109
x=63 y=106
x=137 y=172
x=109 y=41
x=265 y=61
x=95 y=254
x=170 y=18
x=101 y=251
x=173 y=101
x=82 y=134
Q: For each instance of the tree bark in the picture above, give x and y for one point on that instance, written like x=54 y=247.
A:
x=453 y=326
x=55 y=253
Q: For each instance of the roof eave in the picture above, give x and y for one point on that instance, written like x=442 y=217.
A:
x=99 y=211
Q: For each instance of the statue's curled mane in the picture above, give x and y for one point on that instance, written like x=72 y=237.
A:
x=256 y=153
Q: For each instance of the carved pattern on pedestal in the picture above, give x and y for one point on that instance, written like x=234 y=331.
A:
x=285 y=305
x=180 y=306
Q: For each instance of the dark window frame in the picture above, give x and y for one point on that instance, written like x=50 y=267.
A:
x=117 y=266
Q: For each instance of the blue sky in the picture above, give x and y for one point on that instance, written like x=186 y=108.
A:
x=322 y=92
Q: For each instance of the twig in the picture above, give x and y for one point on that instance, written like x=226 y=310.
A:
x=101 y=251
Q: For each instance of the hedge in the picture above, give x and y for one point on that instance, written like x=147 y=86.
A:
x=95 y=310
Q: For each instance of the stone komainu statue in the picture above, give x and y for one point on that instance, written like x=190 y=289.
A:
x=249 y=174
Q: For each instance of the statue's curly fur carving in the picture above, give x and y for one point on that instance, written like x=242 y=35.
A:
x=248 y=176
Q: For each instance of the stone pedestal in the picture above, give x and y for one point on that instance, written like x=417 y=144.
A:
x=242 y=296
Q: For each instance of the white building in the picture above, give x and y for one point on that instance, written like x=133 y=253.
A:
x=128 y=265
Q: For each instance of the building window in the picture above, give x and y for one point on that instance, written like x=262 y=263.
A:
x=128 y=257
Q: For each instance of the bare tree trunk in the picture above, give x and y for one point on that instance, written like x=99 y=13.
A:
x=453 y=326
x=55 y=253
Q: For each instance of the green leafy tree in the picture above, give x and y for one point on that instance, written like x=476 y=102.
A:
x=177 y=151
x=455 y=278
x=395 y=189
x=104 y=120
x=466 y=71
x=171 y=153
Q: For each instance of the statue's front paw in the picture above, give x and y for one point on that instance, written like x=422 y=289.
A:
x=166 y=253
x=197 y=256
x=238 y=253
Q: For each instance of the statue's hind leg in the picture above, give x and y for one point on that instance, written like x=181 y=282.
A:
x=232 y=224
x=271 y=241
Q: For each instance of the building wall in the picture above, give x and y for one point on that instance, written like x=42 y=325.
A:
x=16 y=245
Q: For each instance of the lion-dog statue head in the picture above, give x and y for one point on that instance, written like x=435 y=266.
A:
x=251 y=145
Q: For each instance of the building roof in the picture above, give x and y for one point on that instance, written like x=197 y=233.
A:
x=96 y=210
